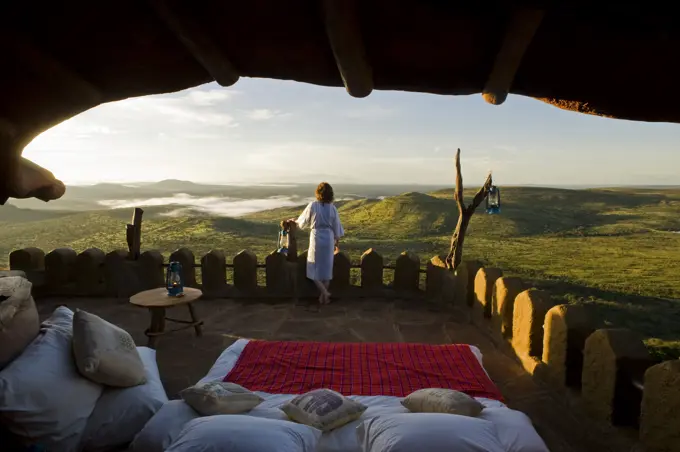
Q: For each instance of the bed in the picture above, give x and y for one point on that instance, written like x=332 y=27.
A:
x=377 y=375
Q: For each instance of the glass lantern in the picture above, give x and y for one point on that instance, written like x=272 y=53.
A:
x=283 y=241
x=493 y=200
x=173 y=280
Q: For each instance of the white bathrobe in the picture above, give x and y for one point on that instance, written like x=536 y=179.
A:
x=324 y=221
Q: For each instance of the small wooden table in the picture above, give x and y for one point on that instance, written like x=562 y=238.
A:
x=156 y=301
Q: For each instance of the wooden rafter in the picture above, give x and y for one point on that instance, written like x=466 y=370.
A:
x=344 y=35
x=53 y=69
x=518 y=36
x=202 y=47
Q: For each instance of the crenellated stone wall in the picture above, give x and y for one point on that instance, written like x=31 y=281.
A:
x=610 y=369
x=93 y=273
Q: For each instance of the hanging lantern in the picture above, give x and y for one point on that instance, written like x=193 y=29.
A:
x=173 y=280
x=493 y=200
x=283 y=242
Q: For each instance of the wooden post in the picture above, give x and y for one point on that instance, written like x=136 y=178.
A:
x=133 y=233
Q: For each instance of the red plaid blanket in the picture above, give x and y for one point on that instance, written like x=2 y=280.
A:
x=367 y=369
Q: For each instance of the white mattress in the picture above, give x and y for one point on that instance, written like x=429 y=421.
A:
x=514 y=428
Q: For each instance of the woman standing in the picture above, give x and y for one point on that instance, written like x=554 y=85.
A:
x=326 y=230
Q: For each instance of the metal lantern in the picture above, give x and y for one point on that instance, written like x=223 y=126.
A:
x=493 y=200
x=283 y=241
x=173 y=280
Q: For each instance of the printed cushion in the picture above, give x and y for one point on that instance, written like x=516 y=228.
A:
x=323 y=409
x=105 y=353
x=220 y=397
x=19 y=321
x=431 y=432
x=235 y=433
x=121 y=413
x=436 y=400
x=43 y=398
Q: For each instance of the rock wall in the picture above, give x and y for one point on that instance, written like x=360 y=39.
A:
x=609 y=368
x=92 y=273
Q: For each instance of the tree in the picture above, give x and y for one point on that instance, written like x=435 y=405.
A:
x=465 y=213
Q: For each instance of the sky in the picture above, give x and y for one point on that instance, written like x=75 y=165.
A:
x=269 y=131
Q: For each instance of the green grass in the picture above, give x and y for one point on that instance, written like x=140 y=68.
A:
x=611 y=250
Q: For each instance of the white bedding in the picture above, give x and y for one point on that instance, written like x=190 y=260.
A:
x=514 y=428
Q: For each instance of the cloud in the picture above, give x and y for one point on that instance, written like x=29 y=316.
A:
x=209 y=97
x=263 y=114
x=179 y=110
x=371 y=112
x=214 y=205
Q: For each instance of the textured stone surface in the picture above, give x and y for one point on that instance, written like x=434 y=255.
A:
x=245 y=271
x=660 y=416
x=565 y=332
x=59 y=270
x=466 y=272
x=505 y=290
x=187 y=259
x=214 y=274
x=89 y=272
x=484 y=284
x=529 y=312
x=183 y=358
x=371 y=269
x=407 y=272
x=607 y=354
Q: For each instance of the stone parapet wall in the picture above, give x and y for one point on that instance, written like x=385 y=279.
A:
x=93 y=273
x=610 y=369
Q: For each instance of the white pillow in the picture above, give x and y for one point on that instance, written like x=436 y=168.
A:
x=19 y=320
x=121 y=413
x=438 y=400
x=105 y=353
x=220 y=397
x=431 y=432
x=164 y=427
x=515 y=430
x=43 y=397
x=238 y=433
x=323 y=409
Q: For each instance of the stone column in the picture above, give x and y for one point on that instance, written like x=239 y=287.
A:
x=32 y=262
x=245 y=272
x=565 y=332
x=214 y=274
x=151 y=263
x=466 y=273
x=659 y=420
x=610 y=358
x=531 y=307
x=407 y=272
x=440 y=282
x=186 y=257
x=60 y=271
x=484 y=285
x=505 y=291
x=341 y=269
x=89 y=272
x=371 y=270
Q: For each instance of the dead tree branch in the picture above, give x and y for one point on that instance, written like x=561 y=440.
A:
x=455 y=255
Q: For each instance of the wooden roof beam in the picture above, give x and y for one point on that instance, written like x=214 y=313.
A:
x=202 y=47
x=344 y=34
x=518 y=36
x=54 y=70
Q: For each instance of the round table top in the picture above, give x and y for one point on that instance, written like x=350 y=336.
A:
x=159 y=298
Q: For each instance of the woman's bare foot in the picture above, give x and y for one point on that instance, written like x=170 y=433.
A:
x=328 y=297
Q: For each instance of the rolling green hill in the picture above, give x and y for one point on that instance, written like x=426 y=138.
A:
x=617 y=251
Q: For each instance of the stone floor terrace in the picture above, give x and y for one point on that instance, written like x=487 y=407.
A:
x=184 y=358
